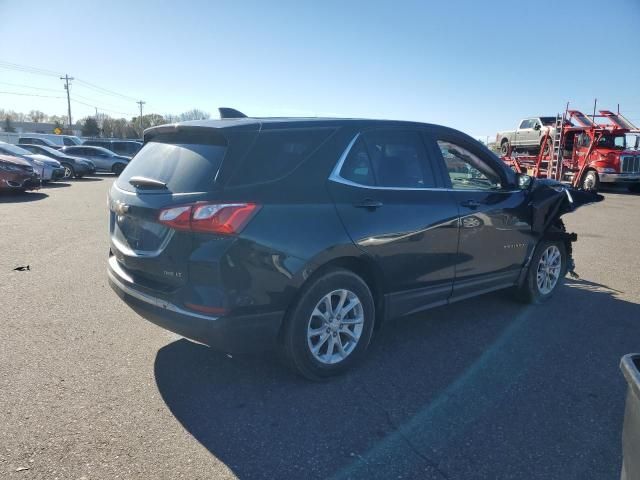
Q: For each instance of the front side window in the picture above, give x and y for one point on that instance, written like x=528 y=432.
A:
x=466 y=170
x=68 y=141
x=525 y=124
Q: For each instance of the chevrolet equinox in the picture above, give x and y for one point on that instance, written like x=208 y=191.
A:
x=308 y=234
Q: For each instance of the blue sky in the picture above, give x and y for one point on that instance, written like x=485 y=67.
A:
x=477 y=66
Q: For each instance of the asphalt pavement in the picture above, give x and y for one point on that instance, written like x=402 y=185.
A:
x=483 y=389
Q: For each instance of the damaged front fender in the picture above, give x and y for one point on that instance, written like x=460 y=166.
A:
x=548 y=201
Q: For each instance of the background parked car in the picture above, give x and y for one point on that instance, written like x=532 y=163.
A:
x=73 y=166
x=104 y=160
x=127 y=148
x=57 y=140
x=37 y=141
x=48 y=168
x=17 y=174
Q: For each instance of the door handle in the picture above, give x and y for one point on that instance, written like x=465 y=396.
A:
x=470 y=204
x=368 y=203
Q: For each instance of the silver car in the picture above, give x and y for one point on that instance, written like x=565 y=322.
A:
x=48 y=168
x=104 y=160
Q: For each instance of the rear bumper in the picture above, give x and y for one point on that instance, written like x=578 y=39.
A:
x=248 y=333
x=619 y=177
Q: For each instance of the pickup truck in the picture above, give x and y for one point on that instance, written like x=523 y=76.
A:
x=528 y=135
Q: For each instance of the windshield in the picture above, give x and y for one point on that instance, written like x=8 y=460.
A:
x=49 y=150
x=632 y=141
x=608 y=140
x=14 y=149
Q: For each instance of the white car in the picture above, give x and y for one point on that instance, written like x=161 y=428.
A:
x=48 y=168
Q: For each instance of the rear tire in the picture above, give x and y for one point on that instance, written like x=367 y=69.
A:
x=504 y=147
x=117 y=169
x=591 y=181
x=546 y=272
x=329 y=327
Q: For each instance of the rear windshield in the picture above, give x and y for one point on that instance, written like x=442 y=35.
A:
x=186 y=162
x=277 y=153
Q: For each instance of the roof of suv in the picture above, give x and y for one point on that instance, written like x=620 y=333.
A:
x=280 y=122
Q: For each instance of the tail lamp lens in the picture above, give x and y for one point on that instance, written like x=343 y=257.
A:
x=224 y=218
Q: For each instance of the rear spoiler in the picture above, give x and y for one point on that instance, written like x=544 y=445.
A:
x=226 y=112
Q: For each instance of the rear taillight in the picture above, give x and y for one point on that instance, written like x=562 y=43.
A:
x=224 y=218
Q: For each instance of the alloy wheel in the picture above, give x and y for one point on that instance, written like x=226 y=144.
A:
x=549 y=268
x=335 y=326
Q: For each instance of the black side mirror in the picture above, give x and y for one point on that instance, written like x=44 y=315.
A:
x=524 y=181
x=537 y=126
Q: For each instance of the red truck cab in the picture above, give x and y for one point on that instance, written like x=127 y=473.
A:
x=605 y=153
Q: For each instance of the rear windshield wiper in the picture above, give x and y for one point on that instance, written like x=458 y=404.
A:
x=144 y=182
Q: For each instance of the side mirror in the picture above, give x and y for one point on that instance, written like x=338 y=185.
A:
x=537 y=126
x=524 y=181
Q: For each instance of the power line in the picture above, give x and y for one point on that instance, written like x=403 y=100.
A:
x=30 y=94
x=105 y=91
x=27 y=69
x=42 y=71
x=28 y=86
x=100 y=108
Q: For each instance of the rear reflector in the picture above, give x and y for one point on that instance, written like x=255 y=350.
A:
x=224 y=218
x=206 y=309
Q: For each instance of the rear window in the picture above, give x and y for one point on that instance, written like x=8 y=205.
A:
x=185 y=161
x=277 y=153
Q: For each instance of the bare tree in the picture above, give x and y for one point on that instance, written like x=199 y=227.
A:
x=194 y=114
x=36 y=116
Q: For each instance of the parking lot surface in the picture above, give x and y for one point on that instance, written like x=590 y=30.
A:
x=485 y=388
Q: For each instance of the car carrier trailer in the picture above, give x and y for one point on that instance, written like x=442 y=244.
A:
x=585 y=153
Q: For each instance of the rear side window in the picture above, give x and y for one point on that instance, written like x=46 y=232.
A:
x=357 y=166
x=185 y=161
x=276 y=153
x=389 y=158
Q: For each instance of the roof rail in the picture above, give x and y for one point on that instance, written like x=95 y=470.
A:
x=226 y=112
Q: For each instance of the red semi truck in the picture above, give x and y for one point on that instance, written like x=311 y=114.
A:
x=586 y=151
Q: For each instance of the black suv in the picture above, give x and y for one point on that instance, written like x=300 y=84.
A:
x=309 y=233
x=128 y=148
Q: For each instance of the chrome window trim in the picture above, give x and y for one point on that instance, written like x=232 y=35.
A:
x=335 y=177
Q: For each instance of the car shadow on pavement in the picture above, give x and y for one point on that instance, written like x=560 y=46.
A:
x=485 y=388
x=22 y=197
x=56 y=185
x=87 y=179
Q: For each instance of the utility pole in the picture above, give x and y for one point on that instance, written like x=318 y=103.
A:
x=66 y=79
x=140 y=102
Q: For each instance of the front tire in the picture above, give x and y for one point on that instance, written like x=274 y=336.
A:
x=329 y=328
x=591 y=181
x=546 y=272
x=68 y=171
